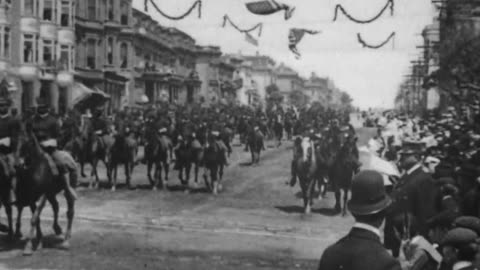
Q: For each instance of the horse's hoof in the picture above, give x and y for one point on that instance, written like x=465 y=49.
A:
x=40 y=245
x=83 y=175
x=186 y=191
x=65 y=245
x=28 y=250
x=154 y=188
x=113 y=189
x=220 y=187
x=57 y=229
x=18 y=235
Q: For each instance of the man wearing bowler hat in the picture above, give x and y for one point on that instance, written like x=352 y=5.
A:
x=362 y=248
x=415 y=193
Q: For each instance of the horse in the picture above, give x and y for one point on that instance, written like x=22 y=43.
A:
x=197 y=154
x=93 y=147
x=123 y=151
x=183 y=163
x=37 y=184
x=256 y=145
x=306 y=166
x=343 y=168
x=157 y=149
x=5 y=187
x=214 y=165
x=278 y=130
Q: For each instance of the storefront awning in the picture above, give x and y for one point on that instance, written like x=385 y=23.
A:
x=81 y=94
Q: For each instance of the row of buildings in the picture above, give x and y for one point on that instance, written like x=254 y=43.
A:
x=445 y=74
x=52 y=49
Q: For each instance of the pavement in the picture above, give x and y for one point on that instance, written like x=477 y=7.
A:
x=256 y=222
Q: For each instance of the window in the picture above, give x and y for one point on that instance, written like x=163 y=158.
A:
x=110 y=10
x=48 y=52
x=29 y=7
x=66 y=57
x=91 y=53
x=48 y=10
x=92 y=9
x=110 y=51
x=124 y=13
x=28 y=48
x=123 y=55
x=5 y=53
x=66 y=18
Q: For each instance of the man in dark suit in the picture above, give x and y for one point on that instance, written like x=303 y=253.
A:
x=415 y=193
x=361 y=248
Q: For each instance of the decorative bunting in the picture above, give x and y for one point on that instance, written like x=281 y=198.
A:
x=295 y=36
x=197 y=3
x=251 y=39
x=247 y=31
x=390 y=3
x=365 y=45
x=268 y=7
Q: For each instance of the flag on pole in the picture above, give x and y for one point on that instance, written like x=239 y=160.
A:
x=251 y=39
x=295 y=36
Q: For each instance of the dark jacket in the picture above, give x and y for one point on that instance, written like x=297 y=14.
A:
x=416 y=193
x=360 y=249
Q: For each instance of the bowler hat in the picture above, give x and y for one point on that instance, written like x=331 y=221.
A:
x=468 y=222
x=368 y=194
x=411 y=147
x=459 y=237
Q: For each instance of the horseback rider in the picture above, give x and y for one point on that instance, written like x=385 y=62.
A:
x=100 y=125
x=220 y=145
x=9 y=128
x=46 y=129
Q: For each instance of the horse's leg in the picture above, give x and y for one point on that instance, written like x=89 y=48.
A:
x=114 y=176
x=8 y=212
x=54 y=203
x=18 y=225
x=158 y=174
x=345 y=199
x=70 y=213
x=166 y=167
x=338 y=207
x=149 y=174
x=34 y=224
x=127 y=174
x=188 y=168
x=82 y=167
x=213 y=176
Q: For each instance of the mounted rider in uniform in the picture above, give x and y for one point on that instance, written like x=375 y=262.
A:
x=9 y=128
x=47 y=130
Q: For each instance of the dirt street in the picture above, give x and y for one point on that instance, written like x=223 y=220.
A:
x=255 y=223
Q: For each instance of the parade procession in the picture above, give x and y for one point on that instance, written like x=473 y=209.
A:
x=239 y=134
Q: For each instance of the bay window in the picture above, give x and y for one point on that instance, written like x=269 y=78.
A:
x=48 y=52
x=66 y=15
x=48 y=12
x=29 y=50
x=29 y=8
x=91 y=53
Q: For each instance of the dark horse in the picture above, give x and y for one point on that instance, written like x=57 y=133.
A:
x=214 y=165
x=157 y=150
x=256 y=145
x=5 y=187
x=306 y=166
x=123 y=151
x=344 y=166
x=93 y=148
x=37 y=183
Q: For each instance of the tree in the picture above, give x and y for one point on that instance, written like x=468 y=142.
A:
x=298 y=99
x=274 y=97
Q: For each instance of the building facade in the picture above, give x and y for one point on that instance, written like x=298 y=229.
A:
x=37 y=48
x=263 y=73
x=316 y=89
x=288 y=81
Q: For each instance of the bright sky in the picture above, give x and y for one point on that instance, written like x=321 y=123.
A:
x=371 y=77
